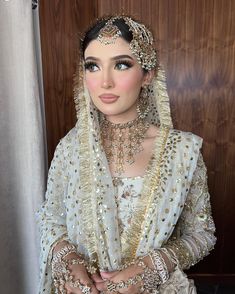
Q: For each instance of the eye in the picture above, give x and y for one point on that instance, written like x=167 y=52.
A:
x=123 y=65
x=91 y=66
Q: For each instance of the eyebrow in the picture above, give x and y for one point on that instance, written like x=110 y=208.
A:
x=113 y=58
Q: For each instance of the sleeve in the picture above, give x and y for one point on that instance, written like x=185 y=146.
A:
x=193 y=236
x=51 y=217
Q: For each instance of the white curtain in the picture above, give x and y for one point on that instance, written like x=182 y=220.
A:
x=22 y=146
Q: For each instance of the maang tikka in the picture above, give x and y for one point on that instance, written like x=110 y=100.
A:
x=141 y=44
x=109 y=33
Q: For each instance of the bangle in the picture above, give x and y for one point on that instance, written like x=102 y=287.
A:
x=91 y=269
x=170 y=256
x=159 y=265
x=61 y=239
x=151 y=281
x=63 y=252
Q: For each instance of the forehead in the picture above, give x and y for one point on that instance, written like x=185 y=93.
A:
x=100 y=50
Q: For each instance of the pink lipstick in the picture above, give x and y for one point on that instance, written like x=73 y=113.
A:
x=108 y=98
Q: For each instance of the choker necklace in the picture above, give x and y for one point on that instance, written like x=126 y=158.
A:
x=122 y=142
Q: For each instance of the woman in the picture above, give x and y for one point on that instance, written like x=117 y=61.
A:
x=127 y=207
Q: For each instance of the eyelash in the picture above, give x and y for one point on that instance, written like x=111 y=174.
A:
x=90 y=64
x=127 y=63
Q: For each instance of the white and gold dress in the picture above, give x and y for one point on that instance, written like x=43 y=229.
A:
x=112 y=220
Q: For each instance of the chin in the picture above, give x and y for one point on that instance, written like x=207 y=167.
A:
x=109 y=111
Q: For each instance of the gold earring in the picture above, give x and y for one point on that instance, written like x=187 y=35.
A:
x=143 y=105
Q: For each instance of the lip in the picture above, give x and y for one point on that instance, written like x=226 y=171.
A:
x=108 y=97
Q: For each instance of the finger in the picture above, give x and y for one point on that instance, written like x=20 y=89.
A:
x=86 y=281
x=109 y=287
x=71 y=290
x=125 y=291
x=94 y=290
x=129 y=290
x=101 y=286
x=108 y=275
x=96 y=278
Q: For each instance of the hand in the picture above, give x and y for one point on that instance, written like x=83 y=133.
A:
x=79 y=272
x=118 y=276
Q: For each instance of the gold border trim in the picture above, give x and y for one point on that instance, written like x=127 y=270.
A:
x=86 y=180
x=131 y=238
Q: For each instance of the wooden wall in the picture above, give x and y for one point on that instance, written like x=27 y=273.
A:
x=196 y=43
x=61 y=22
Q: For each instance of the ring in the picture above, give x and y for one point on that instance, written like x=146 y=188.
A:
x=111 y=287
x=84 y=288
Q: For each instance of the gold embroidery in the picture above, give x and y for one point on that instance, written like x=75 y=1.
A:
x=86 y=181
x=131 y=238
x=183 y=255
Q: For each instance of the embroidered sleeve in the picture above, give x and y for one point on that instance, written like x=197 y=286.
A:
x=52 y=215
x=194 y=234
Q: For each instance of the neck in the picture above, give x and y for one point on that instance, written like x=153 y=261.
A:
x=121 y=119
x=122 y=125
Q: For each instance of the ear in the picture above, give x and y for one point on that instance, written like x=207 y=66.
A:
x=148 y=76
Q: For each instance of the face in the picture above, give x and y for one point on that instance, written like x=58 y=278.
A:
x=114 y=79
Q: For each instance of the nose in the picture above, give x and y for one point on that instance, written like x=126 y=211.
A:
x=107 y=80
x=107 y=85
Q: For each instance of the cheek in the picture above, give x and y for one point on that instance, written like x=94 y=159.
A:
x=91 y=83
x=131 y=82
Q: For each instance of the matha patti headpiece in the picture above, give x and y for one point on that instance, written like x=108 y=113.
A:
x=141 y=44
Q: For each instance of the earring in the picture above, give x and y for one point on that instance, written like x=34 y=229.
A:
x=143 y=105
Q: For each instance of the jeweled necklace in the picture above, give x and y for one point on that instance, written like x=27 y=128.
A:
x=123 y=141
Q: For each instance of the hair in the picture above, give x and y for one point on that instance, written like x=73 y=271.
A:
x=93 y=32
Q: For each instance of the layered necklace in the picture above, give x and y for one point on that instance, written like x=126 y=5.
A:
x=123 y=141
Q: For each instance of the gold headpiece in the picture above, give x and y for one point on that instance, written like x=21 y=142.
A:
x=109 y=33
x=141 y=44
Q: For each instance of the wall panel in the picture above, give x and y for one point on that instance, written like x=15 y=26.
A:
x=61 y=24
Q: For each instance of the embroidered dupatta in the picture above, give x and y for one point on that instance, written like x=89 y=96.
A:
x=80 y=206
x=98 y=209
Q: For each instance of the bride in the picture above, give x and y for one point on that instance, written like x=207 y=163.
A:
x=127 y=207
